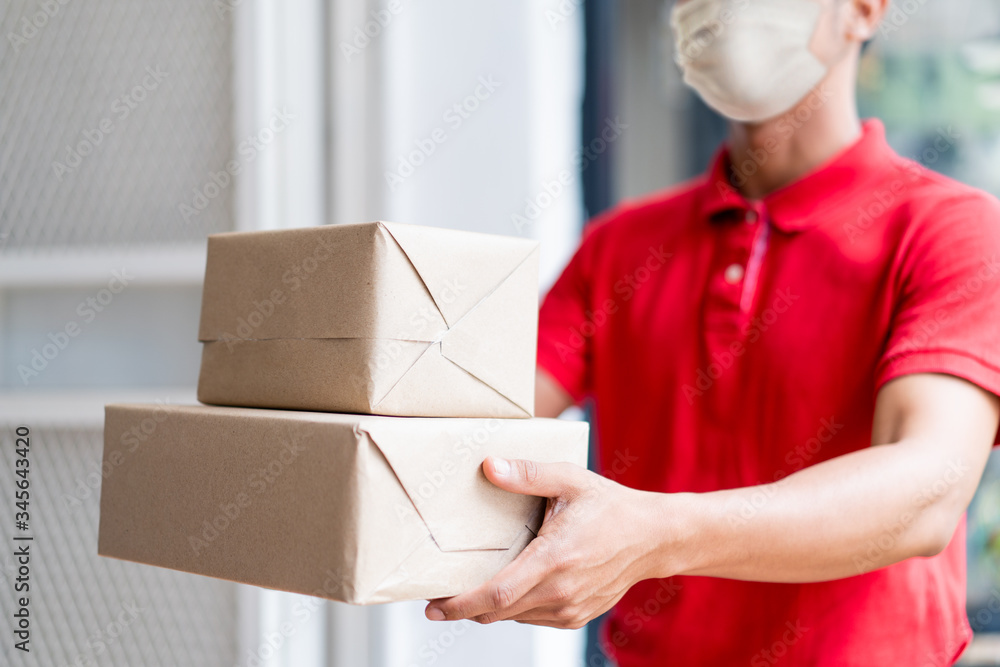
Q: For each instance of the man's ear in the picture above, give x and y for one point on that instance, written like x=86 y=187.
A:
x=864 y=18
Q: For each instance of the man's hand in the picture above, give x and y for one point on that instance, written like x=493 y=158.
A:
x=594 y=543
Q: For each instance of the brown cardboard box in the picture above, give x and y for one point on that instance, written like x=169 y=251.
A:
x=356 y=508
x=377 y=318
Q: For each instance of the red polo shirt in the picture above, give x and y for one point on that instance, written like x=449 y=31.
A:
x=728 y=343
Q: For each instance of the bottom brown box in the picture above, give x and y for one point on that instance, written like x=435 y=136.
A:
x=357 y=508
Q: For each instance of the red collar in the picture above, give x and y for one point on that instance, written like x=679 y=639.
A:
x=807 y=202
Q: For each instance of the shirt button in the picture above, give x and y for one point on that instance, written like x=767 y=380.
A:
x=734 y=274
x=751 y=217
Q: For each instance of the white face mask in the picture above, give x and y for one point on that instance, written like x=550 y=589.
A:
x=748 y=59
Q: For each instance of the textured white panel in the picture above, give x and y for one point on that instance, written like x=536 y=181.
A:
x=75 y=78
x=90 y=610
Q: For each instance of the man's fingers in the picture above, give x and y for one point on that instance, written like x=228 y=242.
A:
x=498 y=598
x=549 y=480
x=547 y=624
x=561 y=613
x=557 y=615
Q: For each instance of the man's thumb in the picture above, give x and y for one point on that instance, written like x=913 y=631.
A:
x=528 y=477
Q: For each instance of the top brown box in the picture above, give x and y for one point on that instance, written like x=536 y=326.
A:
x=376 y=318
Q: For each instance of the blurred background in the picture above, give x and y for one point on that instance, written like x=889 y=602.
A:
x=131 y=129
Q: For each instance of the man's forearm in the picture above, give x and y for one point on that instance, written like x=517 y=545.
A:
x=840 y=518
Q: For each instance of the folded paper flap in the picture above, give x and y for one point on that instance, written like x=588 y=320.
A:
x=459 y=268
x=486 y=289
x=440 y=470
x=496 y=342
x=469 y=392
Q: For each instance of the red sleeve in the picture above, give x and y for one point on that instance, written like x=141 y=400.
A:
x=947 y=314
x=563 y=351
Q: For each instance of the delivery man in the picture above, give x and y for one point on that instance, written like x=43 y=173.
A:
x=794 y=362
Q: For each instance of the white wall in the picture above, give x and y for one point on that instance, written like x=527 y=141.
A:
x=474 y=168
x=493 y=155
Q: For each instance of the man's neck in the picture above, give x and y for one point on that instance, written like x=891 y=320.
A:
x=769 y=155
